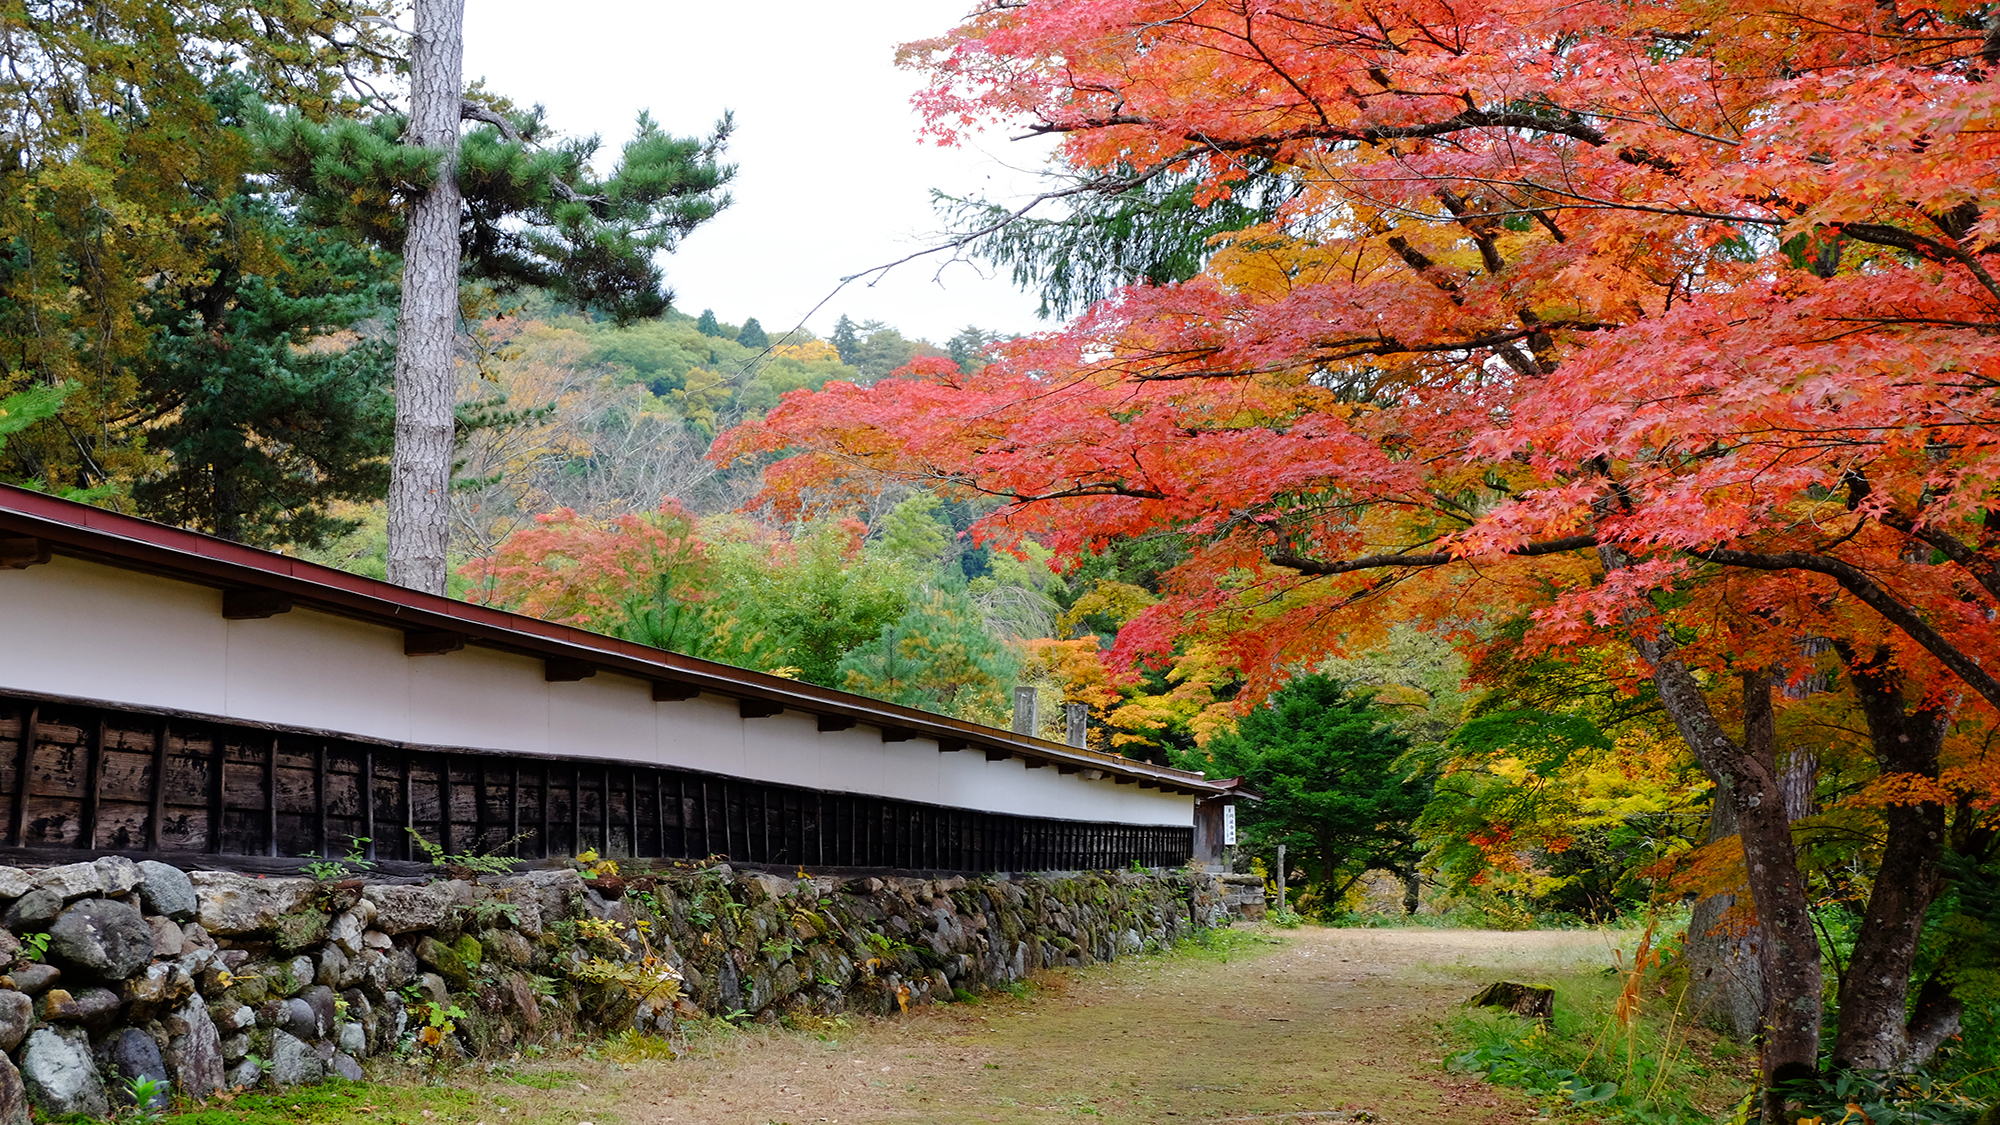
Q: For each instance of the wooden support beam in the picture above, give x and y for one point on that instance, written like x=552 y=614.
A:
x=950 y=745
x=19 y=552
x=271 y=799
x=431 y=642
x=1065 y=768
x=253 y=605
x=1037 y=763
x=157 y=819
x=897 y=734
x=993 y=755
x=319 y=791
x=24 y=765
x=673 y=691
x=557 y=670
x=368 y=801
x=1123 y=780
x=218 y=789
x=830 y=723
x=93 y=786
x=758 y=708
x=1093 y=775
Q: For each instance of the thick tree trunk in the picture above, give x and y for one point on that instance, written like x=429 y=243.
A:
x=426 y=326
x=1747 y=775
x=1725 y=987
x=1413 y=888
x=1874 y=1028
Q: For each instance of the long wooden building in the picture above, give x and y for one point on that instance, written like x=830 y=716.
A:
x=167 y=693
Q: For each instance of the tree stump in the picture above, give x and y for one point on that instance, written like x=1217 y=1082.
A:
x=1520 y=999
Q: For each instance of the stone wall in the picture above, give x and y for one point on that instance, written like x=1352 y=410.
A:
x=210 y=980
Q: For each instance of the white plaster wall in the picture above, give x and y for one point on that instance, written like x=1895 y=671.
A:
x=96 y=632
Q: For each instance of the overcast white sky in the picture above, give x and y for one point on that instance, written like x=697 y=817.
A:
x=832 y=176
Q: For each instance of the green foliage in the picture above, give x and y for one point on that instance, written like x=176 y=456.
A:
x=846 y=339
x=535 y=214
x=1336 y=788
x=1154 y=233
x=938 y=656
x=35 y=946
x=707 y=324
x=149 y=1100
x=752 y=335
x=270 y=408
x=470 y=863
x=124 y=181
x=806 y=607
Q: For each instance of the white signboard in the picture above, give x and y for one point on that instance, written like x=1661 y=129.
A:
x=1229 y=826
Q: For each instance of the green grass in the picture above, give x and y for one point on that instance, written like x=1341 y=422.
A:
x=1653 y=1069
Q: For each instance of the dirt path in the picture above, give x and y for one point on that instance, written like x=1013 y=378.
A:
x=1330 y=1023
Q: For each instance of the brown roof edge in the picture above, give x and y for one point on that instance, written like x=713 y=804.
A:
x=82 y=531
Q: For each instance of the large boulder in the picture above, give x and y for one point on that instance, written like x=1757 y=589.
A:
x=194 y=1049
x=33 y=911
x=231 y=904
x=166 y=889
x=13 y=1094
x=101 y=938
x=71 y=880
x=293 y=1061
x=17 y=1013
x=117 y=875
x=401 y=909
x=60 y=1076
x=15 y=882
x=133 y=1054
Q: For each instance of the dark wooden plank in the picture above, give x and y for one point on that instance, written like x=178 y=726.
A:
x=319 y=790
x=368 y=800
x=547 y=780
x=604 y=812
x=632 y=812
x=445 y=836
x=93 y=781
x=660 y=809
x=409 y=808
x=24 y=758
x=218 y=788
x=576 y=809
x=271 y=800
x=514 y=814
x=159 y=817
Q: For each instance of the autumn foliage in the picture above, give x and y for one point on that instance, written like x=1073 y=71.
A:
x=1667 y=325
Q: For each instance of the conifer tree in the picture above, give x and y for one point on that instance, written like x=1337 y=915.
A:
x=846 y=340
x=707 y=324
x=752 y=335
x=509 y=203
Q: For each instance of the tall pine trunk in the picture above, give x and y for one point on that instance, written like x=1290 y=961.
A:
x=420 y=467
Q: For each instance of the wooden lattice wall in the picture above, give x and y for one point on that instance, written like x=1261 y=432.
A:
x=76 y=778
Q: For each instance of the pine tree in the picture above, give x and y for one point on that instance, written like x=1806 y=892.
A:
x=846 y=340
x=707 y=325
x=752 y=335
x=508 y=203
x=938 y=656
x=968 y=348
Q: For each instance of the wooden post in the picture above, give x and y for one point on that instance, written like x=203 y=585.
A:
x=155 y=823
x=445 y=838
x=93 y=781
x=218 y=790
x=409 y=806
x=1281 y=878
x=368 y=800
x=514 y=817
x=548 y=779
x=1026 y=721
x=24 y=761
x=319 y=791
x=271 y=799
